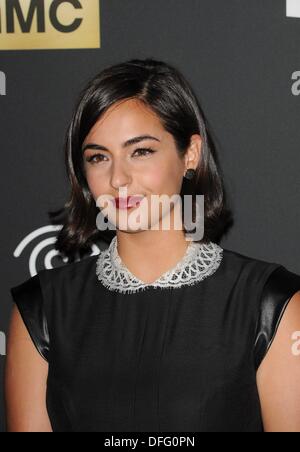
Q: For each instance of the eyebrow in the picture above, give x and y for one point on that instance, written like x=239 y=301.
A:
x=124 y=145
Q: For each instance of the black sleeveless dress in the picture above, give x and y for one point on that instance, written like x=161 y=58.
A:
x=180 y=359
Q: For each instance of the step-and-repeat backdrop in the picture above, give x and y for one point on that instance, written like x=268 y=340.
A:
x=243 y=60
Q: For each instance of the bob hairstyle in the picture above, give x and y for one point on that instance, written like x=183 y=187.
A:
x=162 y=88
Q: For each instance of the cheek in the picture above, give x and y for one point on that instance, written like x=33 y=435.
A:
x=154 y=178
x=163 y=178
x=95 y=183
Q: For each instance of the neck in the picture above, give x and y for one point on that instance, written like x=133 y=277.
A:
x=157 y=250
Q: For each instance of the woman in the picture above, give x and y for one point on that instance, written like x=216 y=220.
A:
x=157 y=332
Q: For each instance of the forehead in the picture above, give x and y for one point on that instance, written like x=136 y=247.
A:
x=126 y=119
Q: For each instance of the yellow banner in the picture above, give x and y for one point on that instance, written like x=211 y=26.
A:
x=49 y=24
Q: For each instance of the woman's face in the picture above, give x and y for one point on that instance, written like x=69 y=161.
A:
x=146 y=173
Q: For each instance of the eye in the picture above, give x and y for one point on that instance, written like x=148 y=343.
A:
x=92 y=158
x=97 y=158
x=144 y=151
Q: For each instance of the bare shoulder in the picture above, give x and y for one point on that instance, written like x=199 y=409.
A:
x=25 y=381
x=279 y=374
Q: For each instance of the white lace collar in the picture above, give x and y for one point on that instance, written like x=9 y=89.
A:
x=200 y=261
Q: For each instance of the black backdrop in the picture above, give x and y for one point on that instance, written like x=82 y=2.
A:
x=242 y=58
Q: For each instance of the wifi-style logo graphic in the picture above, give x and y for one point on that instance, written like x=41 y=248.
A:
x=43 y=240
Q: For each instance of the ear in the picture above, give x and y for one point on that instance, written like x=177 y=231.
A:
x=193 y=154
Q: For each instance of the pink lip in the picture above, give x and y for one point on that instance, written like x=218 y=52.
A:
x=127 y=203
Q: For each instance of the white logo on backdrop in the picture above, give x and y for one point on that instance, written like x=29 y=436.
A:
x=2 y=344
x=46 y=240
x=296 y=84
x=293 y=8
x=2 y=84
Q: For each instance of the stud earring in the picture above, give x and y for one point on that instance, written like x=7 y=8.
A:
x=190 y=173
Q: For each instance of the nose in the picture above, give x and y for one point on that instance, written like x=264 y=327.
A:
x=120 y=176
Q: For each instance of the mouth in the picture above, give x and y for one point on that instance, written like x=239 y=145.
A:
x=128 y=203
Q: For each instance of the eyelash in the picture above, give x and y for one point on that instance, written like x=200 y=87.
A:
x=90 y=159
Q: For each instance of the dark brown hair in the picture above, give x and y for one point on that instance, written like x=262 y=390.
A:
x=162 y=88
